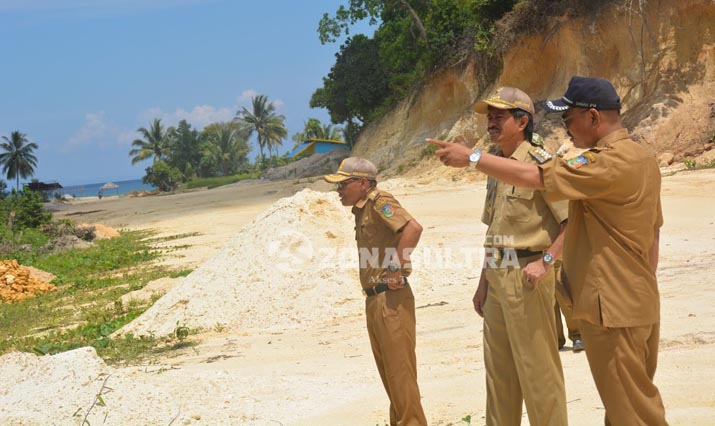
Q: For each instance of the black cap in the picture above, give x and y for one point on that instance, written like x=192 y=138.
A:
x=586 y=92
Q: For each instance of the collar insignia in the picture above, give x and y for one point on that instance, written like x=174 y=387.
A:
x=540 y=155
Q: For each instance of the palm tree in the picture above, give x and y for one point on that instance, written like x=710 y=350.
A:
x=274 y=133
x=155 y=142
x=18 y=160
x=314 y=129
x=328 y=131
x=264 y=122
x=226 y=148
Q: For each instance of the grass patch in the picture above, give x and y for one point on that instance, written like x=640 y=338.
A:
x=214 y=182
x=693 y=165
x=428 y=151
x=86 y=308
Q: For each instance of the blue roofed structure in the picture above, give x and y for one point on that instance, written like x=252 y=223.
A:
x=318 y=146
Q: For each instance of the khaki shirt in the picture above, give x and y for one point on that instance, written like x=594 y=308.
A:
x=379 y=220
x=518 y=217
x=614 y=211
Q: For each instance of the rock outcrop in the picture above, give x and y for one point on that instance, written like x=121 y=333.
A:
x=661 y=58
x=314 y=165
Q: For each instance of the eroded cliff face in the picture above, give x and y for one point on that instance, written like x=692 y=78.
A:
x=661 y=58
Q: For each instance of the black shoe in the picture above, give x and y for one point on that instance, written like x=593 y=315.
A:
x=578 y=345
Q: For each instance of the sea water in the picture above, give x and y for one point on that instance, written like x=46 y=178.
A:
x=92 y=189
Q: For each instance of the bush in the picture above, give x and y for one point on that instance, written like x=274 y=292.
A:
x=58 y=228
x=163 y=176
x=24 y=210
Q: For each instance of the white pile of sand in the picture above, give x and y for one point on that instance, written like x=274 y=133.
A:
x=295 y=265
x=60 y=389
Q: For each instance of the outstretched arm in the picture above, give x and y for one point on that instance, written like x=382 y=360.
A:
x=515 y=173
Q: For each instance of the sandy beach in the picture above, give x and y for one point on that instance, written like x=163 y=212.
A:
x=324 y=374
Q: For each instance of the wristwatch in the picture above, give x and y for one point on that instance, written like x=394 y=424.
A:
x=548 y=258
x=393 y=267
x=474 y=158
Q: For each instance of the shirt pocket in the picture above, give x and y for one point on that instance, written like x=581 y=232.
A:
x=368 y=231
x=519 y=204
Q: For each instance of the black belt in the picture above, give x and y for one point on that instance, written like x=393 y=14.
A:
x=381 y=288
x=520 y=253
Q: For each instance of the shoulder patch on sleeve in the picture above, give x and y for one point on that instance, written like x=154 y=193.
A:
x=383 y=206
x=540 y=154
x=582 y=160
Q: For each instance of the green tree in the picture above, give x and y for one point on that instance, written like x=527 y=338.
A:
x=163 y=176
x=184 y=149
x=314 y=129
x=226 y=148
x=262 y=120
x=356 y=84
x=275 y=132
x=24 y=209
x=154 y=142
x=329 y=29
x=413 y=39
x=18 y=159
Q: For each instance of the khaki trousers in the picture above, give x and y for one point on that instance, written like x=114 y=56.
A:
x=522 y=363
x=623 y=362
x=391 y=326
x=571 y=325
x=564 y=305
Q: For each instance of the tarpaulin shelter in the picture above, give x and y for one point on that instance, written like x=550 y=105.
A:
x=109 y=185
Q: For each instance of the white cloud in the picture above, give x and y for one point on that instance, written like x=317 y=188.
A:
x=98 y=131
x=152 y=113
x=93 y=132
x=202 y=115
x=126 y=137
x=246 y=95
x=198 y=117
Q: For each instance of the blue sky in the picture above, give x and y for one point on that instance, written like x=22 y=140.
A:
x=80 y=76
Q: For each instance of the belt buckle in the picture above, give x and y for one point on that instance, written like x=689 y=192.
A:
x=497 y=254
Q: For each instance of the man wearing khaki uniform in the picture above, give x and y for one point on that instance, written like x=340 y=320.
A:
x=611 y=252
x=611 y=245
x=516 y=289
x=385 y=234
x=565 y=305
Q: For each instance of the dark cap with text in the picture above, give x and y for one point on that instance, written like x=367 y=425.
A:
x=586 y=92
